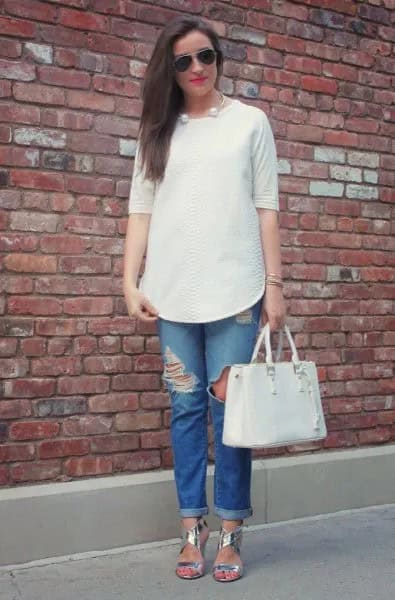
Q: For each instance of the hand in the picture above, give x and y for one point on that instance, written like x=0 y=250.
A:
x=273 y=309
x=138 y=305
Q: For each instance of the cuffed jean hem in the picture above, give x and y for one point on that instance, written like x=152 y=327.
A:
x=233 y=515
x=193 y=512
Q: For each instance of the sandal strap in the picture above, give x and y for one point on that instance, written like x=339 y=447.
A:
x=192 y=535
x=231 y=538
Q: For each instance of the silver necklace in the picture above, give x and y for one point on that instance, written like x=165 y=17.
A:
x=212 y=112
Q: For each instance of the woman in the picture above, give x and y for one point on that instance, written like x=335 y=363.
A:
x=204 y=203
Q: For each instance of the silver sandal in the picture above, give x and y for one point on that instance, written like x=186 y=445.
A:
x=192 y=536
x=229 y=538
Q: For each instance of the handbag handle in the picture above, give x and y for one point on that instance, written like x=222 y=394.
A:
x=265 y=335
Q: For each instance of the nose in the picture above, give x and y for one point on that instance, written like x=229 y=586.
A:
x=196 y=65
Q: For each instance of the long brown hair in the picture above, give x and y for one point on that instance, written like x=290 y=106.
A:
x=162 y=97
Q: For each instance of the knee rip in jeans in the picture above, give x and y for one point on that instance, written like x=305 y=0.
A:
x=174 y=373
x=244 y=317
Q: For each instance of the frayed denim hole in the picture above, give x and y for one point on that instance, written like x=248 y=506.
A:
x=175 y=376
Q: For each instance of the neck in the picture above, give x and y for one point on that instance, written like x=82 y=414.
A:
x=198 y=105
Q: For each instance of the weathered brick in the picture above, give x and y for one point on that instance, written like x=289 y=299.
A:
x=345 y=173
x=39 y=52
x=362 y=192
x=323 y=188
x=363 y=159
x=247 y=35
x=40 y=137
x=53 y=407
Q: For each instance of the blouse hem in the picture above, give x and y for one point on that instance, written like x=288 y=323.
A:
x=220 y=317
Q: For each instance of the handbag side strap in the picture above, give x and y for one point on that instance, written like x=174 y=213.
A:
x=295 y=357
x=258 y=345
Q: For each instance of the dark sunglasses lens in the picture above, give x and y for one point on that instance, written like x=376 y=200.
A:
x=206 y=57
x=182 y=64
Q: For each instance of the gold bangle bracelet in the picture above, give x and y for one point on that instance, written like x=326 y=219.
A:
x=277 y=283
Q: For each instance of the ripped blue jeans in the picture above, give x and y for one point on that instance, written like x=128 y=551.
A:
x=194 y=356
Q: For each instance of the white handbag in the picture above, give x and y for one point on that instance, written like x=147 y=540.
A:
x=273 y=403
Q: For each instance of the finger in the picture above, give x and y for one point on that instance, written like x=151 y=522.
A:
x=149 y=307
x=144 y=316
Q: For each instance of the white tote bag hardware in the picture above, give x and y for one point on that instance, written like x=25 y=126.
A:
x=273 y=403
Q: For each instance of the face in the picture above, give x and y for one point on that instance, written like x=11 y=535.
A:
x=199 y=78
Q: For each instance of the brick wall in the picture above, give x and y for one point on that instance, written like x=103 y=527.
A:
x=80 y=391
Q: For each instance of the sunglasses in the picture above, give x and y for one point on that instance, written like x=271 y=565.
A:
x=205 y=57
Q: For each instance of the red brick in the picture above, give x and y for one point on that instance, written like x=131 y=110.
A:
x=113 y=402
x=89 y=185
x=8 y=346
x=136 y=382
x=131 y=421
x=16 y=452
x=87 y=425
x=90 y=101
x=303 y=64
x=29 y=388
x=109 y=44
x=34 y=92
x=88 y=465
x=15 y=409
x=37 y=471
x=66 y=119
x=318 y=84
x=37 y=180
x=84 y=384
x=117 y=86
x=33 y=430
x=10 y=48
x=115 y=443
x=59 y=448
x=64 y=77
x=374 y=436
x=107 y=364
x=85 y=21
x=155 y=439
x=112 y=326
x=63 y=365
x=17 y=27
x=137 y=461
x=85 y=264
x=31 y=305
x=281 y=77
x=88 y=306
x=30 y=263
x=5 y=89
x=154 y=400
x=148 y=362
x=32 y=10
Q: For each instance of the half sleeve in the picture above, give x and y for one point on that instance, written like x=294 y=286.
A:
x=142 y=190
x=264 y=166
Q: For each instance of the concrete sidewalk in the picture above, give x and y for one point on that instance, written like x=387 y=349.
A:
x=343 y=556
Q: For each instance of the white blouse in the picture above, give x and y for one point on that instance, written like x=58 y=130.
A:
x=204 y=257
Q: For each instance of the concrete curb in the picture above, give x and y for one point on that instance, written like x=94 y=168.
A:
x=57 y=519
